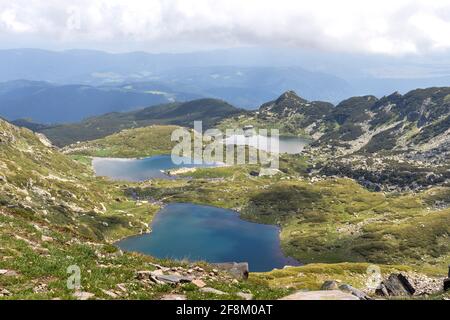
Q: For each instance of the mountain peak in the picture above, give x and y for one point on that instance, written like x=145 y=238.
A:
x=290 y=96
x=289 y=104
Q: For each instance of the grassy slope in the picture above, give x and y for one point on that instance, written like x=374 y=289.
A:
x=54 y=214
x=141 y=142
x=326 y=221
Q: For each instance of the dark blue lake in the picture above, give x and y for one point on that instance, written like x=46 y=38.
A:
x=138 y=169
x=194 y=232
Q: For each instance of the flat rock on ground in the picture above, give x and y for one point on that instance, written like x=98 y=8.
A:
x=199 y=283
x=245 y=296
x=83 y=295
x=177 y=297
x=212 y=290
x=8 y=273
x=321 y=295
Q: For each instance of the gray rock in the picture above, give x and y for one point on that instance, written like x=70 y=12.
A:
x=356 y=292
x=237 y=270
x=173 y=279
x=396 y=285
x=330 y=285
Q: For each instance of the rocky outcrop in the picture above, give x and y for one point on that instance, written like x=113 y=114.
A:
x=396 y=285
x=409 y=284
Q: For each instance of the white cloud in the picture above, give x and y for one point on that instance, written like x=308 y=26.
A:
x=382 y=26
x=9 y=21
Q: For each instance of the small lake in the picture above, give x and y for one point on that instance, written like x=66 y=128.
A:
x=138 y=169
x=153 y=167
x=194 y=232
x=289 y=145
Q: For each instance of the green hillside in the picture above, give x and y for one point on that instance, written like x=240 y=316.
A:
x=210 y=111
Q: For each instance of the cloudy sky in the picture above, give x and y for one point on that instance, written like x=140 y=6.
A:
x=392 y=27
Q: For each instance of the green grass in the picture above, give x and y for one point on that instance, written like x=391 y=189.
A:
x=312 y=276
x=140 y=142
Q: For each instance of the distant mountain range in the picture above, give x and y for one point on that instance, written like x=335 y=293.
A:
x=197 y=74
x=71 y=85
x=49 y=103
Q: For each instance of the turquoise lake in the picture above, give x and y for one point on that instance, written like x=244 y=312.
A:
x=194 y=232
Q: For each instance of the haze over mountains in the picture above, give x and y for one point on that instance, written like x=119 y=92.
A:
x=77 y=84
x=44 y=102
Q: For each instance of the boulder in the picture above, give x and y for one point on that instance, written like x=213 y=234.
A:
x=237 y=270
x=396 y=284
x=330 y=285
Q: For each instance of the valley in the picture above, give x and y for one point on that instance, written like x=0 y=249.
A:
x=372 y=187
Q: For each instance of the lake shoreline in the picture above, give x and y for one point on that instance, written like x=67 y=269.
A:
x=289 y=261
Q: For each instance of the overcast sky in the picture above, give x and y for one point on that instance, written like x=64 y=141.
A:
x=392 y=27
